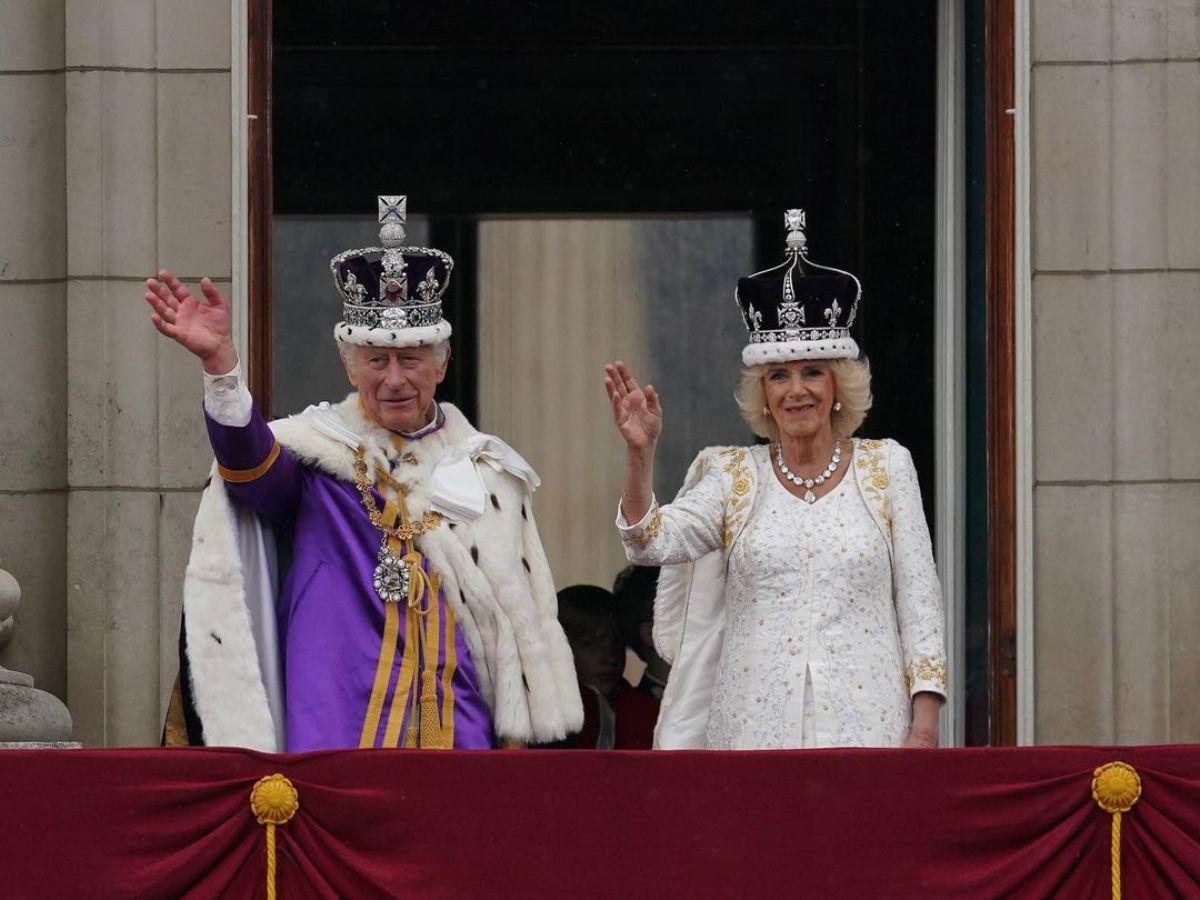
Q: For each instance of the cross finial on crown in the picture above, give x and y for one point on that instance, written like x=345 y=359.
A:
x=393 y=213
x=795 y=220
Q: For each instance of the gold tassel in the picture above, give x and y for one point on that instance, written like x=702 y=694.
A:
x=1116 y=787
x=431 y=723
x=404 y=684
x=274 y=801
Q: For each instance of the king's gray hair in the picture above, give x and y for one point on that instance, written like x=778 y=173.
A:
x=441 y=350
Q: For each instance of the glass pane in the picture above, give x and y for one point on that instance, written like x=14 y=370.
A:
x=558 y=298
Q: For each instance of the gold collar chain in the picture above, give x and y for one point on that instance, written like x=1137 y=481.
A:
x=406 y=531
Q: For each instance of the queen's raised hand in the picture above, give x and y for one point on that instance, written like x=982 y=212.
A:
x=637 y=411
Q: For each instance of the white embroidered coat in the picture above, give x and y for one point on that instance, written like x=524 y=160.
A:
x=864 y=647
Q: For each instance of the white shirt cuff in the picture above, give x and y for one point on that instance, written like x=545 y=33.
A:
x=227 y=400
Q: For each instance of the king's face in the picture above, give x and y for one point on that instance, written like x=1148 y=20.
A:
x=396 y=386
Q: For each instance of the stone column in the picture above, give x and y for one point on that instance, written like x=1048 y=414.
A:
x=33 y=395
x=148 y=177
x=1116 y=326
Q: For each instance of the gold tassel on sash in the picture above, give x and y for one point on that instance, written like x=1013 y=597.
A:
x=274 y=801
x=1116 y=787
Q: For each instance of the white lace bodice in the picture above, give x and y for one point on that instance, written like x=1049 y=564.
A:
x=809 y=595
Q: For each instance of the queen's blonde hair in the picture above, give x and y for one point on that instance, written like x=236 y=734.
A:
x=852 y=387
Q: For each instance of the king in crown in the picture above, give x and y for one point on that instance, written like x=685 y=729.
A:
x=417 y=608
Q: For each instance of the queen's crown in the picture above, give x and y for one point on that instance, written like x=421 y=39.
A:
x=798 y=300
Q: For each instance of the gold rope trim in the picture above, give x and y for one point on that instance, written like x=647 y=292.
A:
x=431 y=729
x=274 y=800
x=1116 y=787
x=404 y=681
x=241 y=476
x=383 y=674
x=448 y=679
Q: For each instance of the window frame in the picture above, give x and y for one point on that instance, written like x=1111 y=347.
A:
x=1009 y=594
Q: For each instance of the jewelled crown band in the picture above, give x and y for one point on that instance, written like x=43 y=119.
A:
x=798 y=309
x=392 y=294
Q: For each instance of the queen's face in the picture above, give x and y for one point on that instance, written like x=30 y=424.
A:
x=800 y=397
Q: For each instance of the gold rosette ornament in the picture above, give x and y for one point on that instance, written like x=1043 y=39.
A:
x=1116 y=787
x=274 y=801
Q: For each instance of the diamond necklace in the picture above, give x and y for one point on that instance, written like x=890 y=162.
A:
x=809 y=483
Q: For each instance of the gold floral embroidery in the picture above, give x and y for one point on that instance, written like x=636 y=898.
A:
x=738 y=504
x=875 y=481
x=927 y=668
x=640 y=537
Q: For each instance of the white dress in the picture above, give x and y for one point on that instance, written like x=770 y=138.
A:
x=825 y=637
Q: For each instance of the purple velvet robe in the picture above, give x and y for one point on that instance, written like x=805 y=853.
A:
x=329 y=617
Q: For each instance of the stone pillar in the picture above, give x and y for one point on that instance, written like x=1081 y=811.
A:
x=148 y=177
x=33 y=400
x=1116 y=326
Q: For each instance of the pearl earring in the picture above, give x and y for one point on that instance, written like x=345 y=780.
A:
x=837 y=407
x=766 y=411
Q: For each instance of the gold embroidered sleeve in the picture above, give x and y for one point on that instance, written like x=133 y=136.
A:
x=679 y=532
x=641 y=535
x=927 y=673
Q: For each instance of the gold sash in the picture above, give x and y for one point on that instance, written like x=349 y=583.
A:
x=429 y=727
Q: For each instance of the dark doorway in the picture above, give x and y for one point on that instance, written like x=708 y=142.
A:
x=632 y=109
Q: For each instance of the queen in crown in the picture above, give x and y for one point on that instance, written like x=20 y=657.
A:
x=799 y=602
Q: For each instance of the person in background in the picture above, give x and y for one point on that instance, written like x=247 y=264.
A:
x=616 y=716
x=634 y=592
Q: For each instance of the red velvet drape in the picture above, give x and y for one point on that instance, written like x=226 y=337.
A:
x=376 y=823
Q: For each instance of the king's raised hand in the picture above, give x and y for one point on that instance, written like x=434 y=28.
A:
x=201 y=326
x=637 y=411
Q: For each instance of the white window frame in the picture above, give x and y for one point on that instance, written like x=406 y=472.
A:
x=950 y=371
